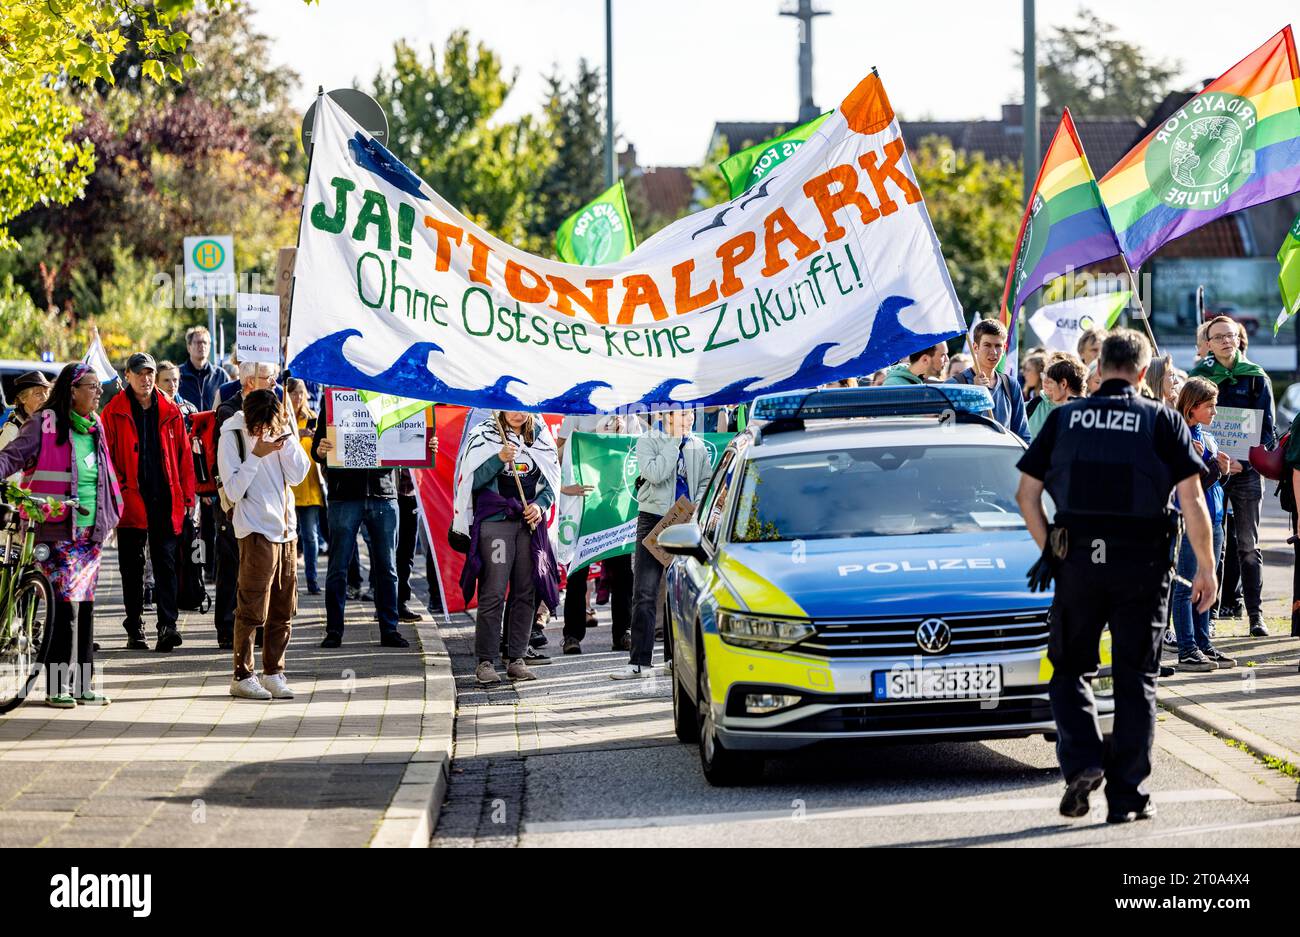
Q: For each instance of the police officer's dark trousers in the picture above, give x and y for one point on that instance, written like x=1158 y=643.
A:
x=1125 y=585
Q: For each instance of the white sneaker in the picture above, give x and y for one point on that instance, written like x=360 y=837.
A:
x=248 y=688
x=1171 y=640
x=632 y=672
x=277 y=685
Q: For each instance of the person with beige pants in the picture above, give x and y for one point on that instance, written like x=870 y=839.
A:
x=259 y=462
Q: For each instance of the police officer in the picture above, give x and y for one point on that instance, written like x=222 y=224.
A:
x=1110 y=463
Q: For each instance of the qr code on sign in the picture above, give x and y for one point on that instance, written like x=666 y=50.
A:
x=360 y=451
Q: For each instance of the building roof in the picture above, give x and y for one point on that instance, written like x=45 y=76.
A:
x=669 y=190
x=1105 y=139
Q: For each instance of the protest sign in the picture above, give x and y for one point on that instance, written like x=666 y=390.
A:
x=681 y=512
x=829 y=268
x=257 y=327
x=1236 y=430
x=603 y=523
x=351 y=429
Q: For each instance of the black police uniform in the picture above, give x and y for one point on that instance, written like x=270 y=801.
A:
x=1110 y=463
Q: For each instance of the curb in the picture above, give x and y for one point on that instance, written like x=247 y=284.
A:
x=1278 y=556
x=1203 y=718
x=409 y=821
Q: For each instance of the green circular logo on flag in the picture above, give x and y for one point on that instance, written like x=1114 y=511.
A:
x=598 y=235
x=208 y=256
x=1202 y=154
x=631 y=469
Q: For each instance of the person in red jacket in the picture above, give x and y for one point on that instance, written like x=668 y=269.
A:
x=151 y=454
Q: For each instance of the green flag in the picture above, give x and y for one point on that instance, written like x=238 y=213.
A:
x=598 y=233
x=748 y=167
x=1288 y=277
x=387 y=410
x=603 y=524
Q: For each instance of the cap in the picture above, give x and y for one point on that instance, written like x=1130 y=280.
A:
x=31 y=379
x=141 y=360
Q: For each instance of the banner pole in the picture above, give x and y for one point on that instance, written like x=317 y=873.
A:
x=1137 y=294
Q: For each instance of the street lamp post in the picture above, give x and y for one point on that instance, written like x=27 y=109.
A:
x=611 y=167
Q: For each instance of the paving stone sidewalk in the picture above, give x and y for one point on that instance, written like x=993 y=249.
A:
x=176 y=761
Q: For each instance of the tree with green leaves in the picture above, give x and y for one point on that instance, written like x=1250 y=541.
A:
x=441 y=125
x=1087 y=67
x=975 y=206
x=44 y=48
x=575 y=125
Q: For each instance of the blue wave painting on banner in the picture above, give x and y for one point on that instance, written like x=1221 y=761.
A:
x=830 y=270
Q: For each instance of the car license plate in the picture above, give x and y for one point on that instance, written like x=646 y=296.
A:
x=979 y=681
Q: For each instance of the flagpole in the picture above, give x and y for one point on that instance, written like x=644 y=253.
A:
x=1137 y=294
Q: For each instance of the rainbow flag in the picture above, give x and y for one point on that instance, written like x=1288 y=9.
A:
x=1234 y=145
x=1064 y=226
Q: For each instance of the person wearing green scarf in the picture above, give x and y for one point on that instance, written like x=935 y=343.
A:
x=65 y=441
x=1244 y=385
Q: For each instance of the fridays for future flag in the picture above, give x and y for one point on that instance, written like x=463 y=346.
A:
x=1234 y=145
x=747 y=168
x=1060 y=325
x=1288 y=277
x=829 y=269
x=598 y=233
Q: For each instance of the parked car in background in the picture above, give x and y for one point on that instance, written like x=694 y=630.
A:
x=1247 y=319
x=11 y=370
x=1288 y=405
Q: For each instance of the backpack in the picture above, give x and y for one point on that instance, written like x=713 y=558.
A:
x=191 y=593
x=203 y=426
x=1285 y=492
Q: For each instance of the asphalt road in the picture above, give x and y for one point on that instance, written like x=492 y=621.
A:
x=578 y=759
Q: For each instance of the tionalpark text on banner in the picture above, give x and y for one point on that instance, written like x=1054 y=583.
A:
x=830 y=268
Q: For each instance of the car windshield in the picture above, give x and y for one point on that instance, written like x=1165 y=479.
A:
x=878 y=492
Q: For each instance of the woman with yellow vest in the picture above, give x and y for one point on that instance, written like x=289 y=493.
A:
x=62 y=454
x=308 y=497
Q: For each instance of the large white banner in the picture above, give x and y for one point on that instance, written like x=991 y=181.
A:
x=828 y=269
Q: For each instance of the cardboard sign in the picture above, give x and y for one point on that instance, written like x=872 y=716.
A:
x=1236 y=430
x=681 y=512
x=350 y=428
x=257 y=327
x=284 y=262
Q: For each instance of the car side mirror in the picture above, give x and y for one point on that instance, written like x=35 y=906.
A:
x=683 y=540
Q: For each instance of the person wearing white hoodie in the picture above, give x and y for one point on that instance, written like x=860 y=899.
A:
x=259 y=462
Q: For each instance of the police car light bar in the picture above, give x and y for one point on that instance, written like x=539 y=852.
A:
x=846 y=402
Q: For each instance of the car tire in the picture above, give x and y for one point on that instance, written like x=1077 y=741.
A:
x=722 y=767
x=685 y=719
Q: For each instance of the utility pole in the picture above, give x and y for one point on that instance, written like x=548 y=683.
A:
x=611 y=161
x=804 y=13
x=1030 y=115
x=1029 y=125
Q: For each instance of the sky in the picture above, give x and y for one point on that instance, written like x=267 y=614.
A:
x=681 y=65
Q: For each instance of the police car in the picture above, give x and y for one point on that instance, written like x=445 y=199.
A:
x=857 y=573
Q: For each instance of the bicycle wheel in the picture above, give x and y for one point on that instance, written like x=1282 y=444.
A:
x=23 y=653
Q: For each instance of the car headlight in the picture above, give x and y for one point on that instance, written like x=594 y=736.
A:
x=769 y=634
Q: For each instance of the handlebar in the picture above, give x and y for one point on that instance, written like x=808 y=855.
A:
x=13 y=497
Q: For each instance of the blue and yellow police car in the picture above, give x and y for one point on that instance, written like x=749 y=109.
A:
x=857 y=572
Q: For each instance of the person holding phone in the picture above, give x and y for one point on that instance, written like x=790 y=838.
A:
x=260 y=463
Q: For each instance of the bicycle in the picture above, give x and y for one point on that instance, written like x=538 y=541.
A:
x=26 y=597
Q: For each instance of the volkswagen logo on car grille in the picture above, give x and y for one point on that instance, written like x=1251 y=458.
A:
x=933 y=635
